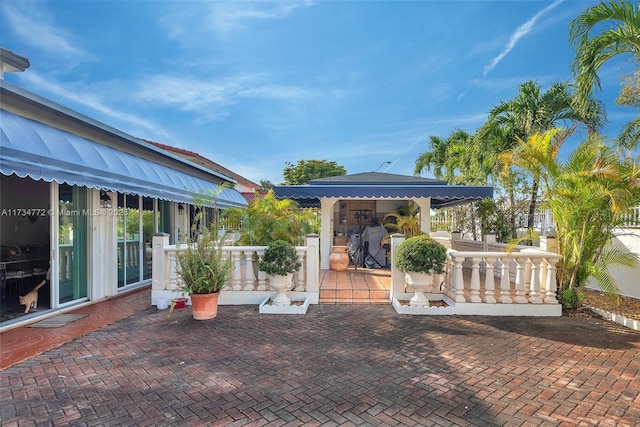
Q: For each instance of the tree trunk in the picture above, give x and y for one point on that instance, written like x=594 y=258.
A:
x=473 y=221
x=532 y=204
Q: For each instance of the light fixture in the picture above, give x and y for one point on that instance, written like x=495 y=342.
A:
x=383 y=163
x=105 y=200
x=180 y=209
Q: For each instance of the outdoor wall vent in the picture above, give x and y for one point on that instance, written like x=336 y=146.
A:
x=10 y=62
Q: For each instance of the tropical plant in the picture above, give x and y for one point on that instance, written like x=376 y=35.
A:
x=533 y=111
x=306 y=170
x=203 y=266
x=279 y=259
x=268 y=219
x=421 y=254
x=406 y=220
x=629 y=136
x=599 y=34
x=588 y=195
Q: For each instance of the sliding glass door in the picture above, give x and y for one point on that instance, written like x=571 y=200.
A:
x=72 y=243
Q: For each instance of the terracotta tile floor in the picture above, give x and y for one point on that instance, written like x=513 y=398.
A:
x=22 y=343
x=361 y=286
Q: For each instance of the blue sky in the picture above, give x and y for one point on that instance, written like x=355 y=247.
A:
x=253 y=85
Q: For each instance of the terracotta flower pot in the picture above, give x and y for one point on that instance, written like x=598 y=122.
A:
x=204 y=306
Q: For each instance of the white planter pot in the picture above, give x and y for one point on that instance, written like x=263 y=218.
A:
x=281 y=284
x=420 y=283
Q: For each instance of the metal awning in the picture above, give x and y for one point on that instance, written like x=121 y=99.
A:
x=30 y=148
x=441 y=195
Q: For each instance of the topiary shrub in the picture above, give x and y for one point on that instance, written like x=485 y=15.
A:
x=421 y=254
x=279 y=259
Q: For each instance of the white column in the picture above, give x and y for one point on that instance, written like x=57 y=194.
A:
x=397 y=277
x=326 y=230
x=425 y=214
x=313 y=263
x=159 y=262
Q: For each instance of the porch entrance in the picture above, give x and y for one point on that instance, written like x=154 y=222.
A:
x=361 y=286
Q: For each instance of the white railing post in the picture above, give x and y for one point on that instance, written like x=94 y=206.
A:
x=552 y=287
x=489 y=281
x=173 y=282
x=520 y=281
x=159 y=264
x=534 y=286
x=505 y=282
x=397 y=277
x=249 y=276
x=236 y=275
x=458 y=279
x=475 y=280
x=312 y=281
x=300 y=274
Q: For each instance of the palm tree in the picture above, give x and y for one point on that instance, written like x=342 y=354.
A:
x=598 y=34
x=619 y=35
x=533 y=111
x=587 y=195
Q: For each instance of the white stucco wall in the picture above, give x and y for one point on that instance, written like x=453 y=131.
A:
x=628 y=279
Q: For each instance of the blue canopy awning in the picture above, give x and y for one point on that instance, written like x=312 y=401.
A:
x=441 y=195
x=30 y=148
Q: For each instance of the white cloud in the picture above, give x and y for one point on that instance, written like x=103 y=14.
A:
x=210 y=99
x=37 y=29
x=519 y=33
x=88 y=98
x=224 y=17
x=230 y=16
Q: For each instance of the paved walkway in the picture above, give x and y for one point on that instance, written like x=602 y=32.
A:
x=337 y=365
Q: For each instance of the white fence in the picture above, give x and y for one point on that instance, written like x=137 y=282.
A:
x=543 y=221
x=482 y=278
x=248 y=285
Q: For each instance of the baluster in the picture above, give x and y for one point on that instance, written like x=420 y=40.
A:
x=543 y=280
x=475 y=280
x=300 y=274
x=249 y=272
x=489 y=281
x=458 y=280
x=520 y=281
x=236 y=273
x=505 y=282
x=534 y=287
x=173 y=283
x=262 y=277
x=551 y=282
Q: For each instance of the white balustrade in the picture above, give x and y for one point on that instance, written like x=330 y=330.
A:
x=243 y=279
x=534 y=281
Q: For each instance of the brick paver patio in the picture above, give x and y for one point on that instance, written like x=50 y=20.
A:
x=337 y=365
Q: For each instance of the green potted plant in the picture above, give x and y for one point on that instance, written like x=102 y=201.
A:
x=204 y=270
x=420 y=258
x=203 y=267
x=279 y=262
